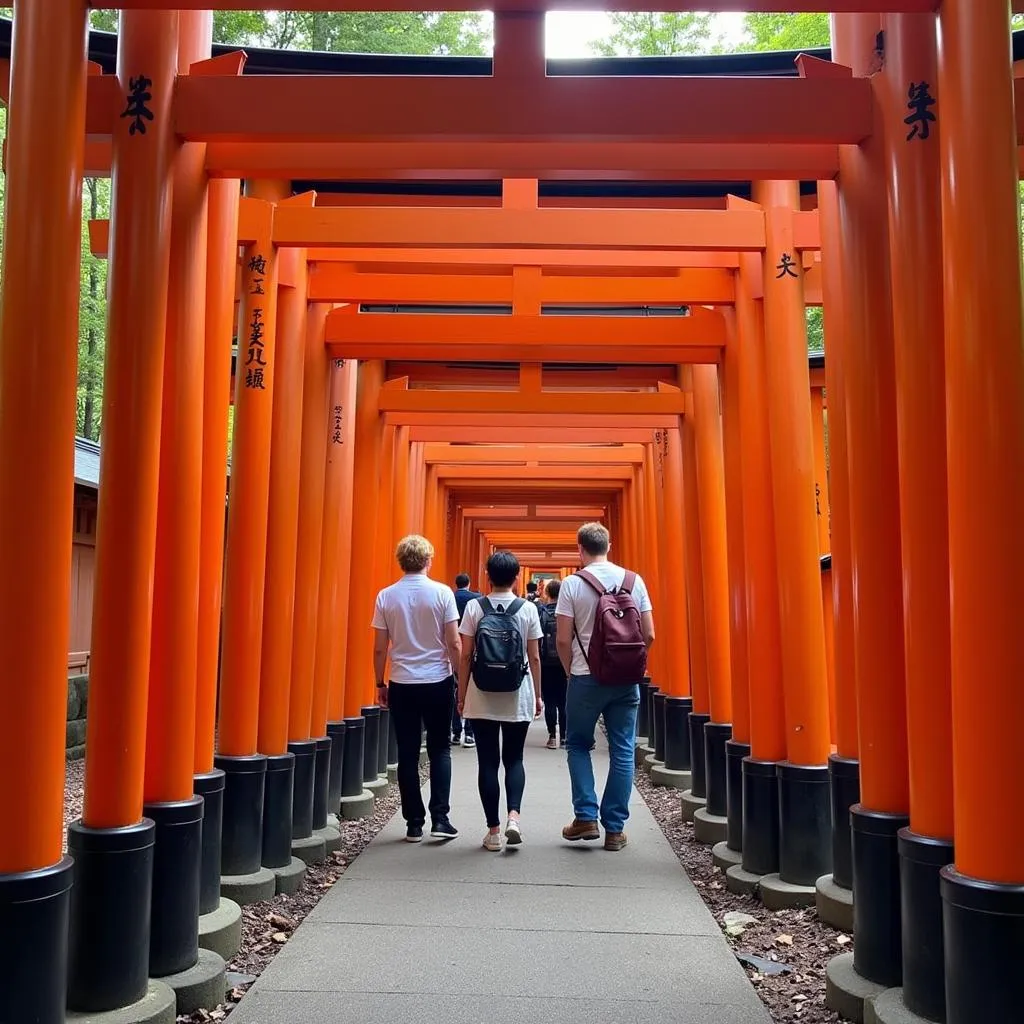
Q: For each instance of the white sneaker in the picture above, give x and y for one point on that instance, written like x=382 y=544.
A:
x=513 y=833
x=492 y=842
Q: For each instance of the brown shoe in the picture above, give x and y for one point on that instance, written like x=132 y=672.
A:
x=615 y=841
x=581 y=830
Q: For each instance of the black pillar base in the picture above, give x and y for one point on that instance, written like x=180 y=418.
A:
x=108 y=939
x=336 y=730
x=242 y=828
x=383 y=734
x=302 y=788
x=352 y=763
x=805 y=823
x=210 y=786
x=659 y=726
x=677 y=733
x=877 y=938
x=177 y=860
x=844 y=780
x=277 y=811
x=643 y=716
x=698 y=760
x=651 y=691
x=924 y=972
x=760 y=816
x=371 y=737
x=983 y=932
x=34 y=906
x=716 y=735
x=734 y=755
x=321 y=779
x=392 y=741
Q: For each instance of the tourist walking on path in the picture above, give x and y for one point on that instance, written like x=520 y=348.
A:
x=418 y=619
x=500 y=661
x=552 y=675
x=605 y=627
x=462 y=728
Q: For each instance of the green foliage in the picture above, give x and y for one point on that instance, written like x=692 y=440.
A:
x=815 y=329
x=646 y=34
x=785 y=31
x=412 y=32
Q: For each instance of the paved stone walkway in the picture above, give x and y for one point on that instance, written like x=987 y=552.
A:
x=447 y=932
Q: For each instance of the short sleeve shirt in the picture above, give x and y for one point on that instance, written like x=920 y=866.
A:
x=518 y=706
x=578 y=600
x=414 y=611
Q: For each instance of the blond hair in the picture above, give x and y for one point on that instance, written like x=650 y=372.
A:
x=413 y=553
x=593 y=538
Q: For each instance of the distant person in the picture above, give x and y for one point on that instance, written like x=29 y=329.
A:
x=419 y=620
x=605 y=628
x=552 y=674
x=463 y=595
x=531 y=592
x=500 y=661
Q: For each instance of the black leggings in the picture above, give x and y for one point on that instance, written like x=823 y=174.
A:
x=489 y=754
x=553 y=689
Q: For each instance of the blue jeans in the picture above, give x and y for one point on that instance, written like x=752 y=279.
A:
x=585 y=702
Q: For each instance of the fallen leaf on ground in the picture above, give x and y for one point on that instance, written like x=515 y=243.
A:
x=785 y=940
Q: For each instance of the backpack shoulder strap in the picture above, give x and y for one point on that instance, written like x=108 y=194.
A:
x=486 y=605
x=628 y=582
x=591 y=580
x=514 y=606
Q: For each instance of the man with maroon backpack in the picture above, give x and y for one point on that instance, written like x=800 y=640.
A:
x=605 y=627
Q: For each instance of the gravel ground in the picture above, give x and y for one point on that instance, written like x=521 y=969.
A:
x=266 y=927
x=795 y=940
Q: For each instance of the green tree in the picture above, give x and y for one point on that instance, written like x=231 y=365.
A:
x=411 y=32
x=784 y=31
x=92 y=315
x=647 y=34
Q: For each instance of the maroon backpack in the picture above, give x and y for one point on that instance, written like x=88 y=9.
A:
x=617 y=655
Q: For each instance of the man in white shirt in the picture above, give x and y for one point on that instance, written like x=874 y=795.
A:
x=418 y=619
x=587 y=700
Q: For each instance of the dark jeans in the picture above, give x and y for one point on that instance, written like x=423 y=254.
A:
x=500 y=743
x=552 y=688
x=414 y=707
x=457 y=720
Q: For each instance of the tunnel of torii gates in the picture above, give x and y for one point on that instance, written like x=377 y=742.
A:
x=888 y=769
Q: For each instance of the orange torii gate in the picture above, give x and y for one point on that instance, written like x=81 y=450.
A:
x=916 y=657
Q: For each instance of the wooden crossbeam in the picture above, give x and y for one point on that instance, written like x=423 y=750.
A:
x=332 y=282
x=527 y=433
x=595 y=421
x=447 y=454
x=701 y=230
x=606 y=403
x=564 y=339
x=378 y=108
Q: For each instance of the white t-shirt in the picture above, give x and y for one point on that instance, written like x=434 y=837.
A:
x=519 y=705
x=414 y=612
x=578 y=601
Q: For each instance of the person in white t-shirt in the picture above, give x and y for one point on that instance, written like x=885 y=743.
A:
x=587 y=700
x=418 y=619
x=501 y=720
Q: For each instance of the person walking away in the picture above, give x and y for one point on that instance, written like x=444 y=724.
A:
x=417 y=618
x=500 y=662
x=552 y=675
x=461 y=728
x=605 y=627
x=531 y=592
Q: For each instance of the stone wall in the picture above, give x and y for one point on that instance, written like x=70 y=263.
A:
x=78 y=702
